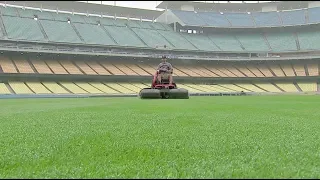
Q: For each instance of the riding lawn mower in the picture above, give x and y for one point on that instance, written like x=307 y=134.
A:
x=163 y=90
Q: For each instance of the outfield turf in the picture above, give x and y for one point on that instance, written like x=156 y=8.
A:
x=203 y=137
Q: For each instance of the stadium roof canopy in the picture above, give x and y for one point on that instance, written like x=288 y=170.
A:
x=239 y=6
x=90 y=8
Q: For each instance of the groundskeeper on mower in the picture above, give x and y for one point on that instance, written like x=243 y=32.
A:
x=163 y=90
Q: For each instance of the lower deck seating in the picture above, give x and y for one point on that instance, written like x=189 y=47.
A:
x=103 y=67
x=20 y=88
x=216 y=88
x=120 y=88
x=190 y=89
x=73 y=88
x=55 y=88
x=38 y=88
x=287 y=87
x=134 y=88
x=251 y=87
x=268 y=87
x=308 y=87
x=89 y=88
x=102 y=87
x=234 y=88
x=4 y=89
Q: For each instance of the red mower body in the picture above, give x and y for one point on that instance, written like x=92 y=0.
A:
x=163 y=85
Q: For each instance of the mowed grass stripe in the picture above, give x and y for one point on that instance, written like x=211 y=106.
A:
x=202 y=137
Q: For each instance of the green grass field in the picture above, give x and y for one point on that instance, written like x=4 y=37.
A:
x=203 y=137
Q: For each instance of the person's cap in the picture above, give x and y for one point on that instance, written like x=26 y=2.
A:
x=164 y=57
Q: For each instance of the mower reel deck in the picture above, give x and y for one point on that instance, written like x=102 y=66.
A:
x=163 y=90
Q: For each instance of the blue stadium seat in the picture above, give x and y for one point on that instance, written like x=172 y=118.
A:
x=240 y=19
x=214 y=19
x=266 y=19
x=296 y=17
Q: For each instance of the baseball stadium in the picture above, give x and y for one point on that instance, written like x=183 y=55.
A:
x=82 y=95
